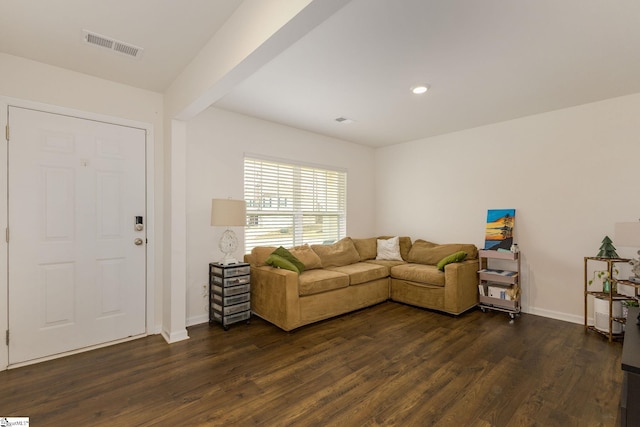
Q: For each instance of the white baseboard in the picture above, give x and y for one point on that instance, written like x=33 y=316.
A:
x=198 y=320
x=171 y=337
x=572 y=318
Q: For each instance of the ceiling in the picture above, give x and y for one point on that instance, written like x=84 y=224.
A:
x=170 y=32
x=485 y=61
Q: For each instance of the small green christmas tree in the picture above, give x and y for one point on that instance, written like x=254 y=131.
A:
x=607 y=250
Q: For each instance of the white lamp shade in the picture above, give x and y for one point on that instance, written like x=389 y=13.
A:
x=627 y=234
x=228 y=212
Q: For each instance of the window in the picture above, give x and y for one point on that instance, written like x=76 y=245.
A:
x=289 y=204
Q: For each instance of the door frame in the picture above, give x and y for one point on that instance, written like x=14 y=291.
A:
x=5 y=103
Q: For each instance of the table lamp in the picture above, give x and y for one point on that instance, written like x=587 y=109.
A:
x=228 y=213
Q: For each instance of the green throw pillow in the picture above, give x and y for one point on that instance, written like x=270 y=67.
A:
x=455 y=257
x=280 y=262
x=284 y=253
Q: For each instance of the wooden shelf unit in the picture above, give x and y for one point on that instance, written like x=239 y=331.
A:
x=635 y=287
x=610 y=296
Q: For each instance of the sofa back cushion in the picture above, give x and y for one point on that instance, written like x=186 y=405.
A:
x=367 y=248
x=343 y=252
x=424 y=252
x=259 y=255
x=308 y=257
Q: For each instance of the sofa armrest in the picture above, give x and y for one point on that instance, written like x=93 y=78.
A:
x=250 y=258
x=460 y=286
x=274 y=296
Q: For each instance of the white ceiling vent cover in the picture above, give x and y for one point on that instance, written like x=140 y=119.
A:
x=114 y=45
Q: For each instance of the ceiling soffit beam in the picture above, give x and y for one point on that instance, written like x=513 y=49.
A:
x=255 y=34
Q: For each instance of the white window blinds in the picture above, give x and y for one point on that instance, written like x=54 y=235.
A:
x=289 y=204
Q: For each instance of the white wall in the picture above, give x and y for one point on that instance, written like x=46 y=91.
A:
x=217 y=141
x=35 y=81
x=570 y=174
x=253 y=35
x=28 y=80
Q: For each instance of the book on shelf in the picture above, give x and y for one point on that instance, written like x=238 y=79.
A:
x=506 y=273
x=500 y=291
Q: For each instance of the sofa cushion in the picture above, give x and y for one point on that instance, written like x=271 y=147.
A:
x=321 y=280
x=362 y=272
x=307 y=256
x=456 y=257
x=343 y=252
x=367 y=248
x=421 y=249
x=385 y=262
x=278 y=261
x=420 y=273
x=284 y=253
x=260 y=255
x=389 y=249
x=405 y=245
x=424 y=252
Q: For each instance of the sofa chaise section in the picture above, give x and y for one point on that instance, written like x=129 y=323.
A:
x=454 y=291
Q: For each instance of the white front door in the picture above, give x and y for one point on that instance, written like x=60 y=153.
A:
x=76 y=274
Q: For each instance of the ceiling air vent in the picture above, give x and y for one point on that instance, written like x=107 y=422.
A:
x=112 y=44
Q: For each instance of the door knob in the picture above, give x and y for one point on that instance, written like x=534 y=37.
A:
x=138 y=241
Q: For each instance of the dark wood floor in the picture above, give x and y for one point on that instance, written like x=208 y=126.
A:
x=385 y=365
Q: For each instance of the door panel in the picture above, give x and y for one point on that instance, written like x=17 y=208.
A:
x=76 y=278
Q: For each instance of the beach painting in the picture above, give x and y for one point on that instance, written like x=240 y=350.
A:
x=499 y=230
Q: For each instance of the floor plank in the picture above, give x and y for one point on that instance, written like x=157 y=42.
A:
x=390 y=364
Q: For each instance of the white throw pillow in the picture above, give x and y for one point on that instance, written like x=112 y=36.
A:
x=389 y=249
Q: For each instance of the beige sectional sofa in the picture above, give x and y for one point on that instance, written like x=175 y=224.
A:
x=346 y=276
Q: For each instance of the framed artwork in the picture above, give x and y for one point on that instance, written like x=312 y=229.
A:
x=499 y=229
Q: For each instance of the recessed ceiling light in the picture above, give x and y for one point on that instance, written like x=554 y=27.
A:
x=420 y=89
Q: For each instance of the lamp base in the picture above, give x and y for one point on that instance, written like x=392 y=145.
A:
x=228 y=245
x=228 y=260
